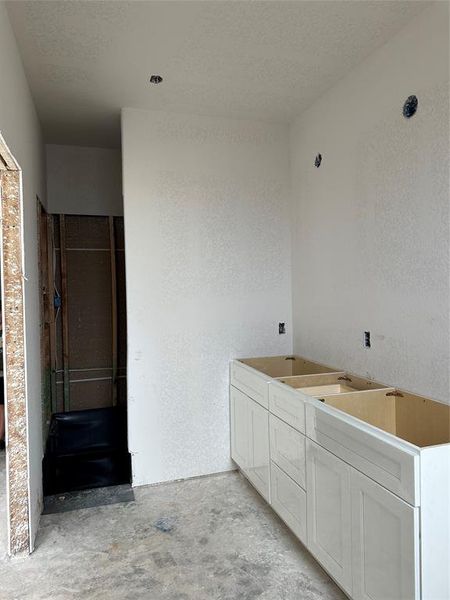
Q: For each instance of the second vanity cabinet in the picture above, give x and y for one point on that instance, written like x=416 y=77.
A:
x=363 y=535
x=360 y=472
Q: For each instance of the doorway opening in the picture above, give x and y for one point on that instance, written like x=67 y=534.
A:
x=84 y=353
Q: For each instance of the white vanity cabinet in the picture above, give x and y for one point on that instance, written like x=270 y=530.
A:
x=396 y=448
x=329 y=514
x=250 y=440
x=249 y=418
x=360 y=472
x=390 y=461
x=251 y=375
x=364 y=536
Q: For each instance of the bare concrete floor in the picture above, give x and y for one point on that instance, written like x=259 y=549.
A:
x=211 y=538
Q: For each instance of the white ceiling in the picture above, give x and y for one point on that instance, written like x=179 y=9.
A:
x=266 y=60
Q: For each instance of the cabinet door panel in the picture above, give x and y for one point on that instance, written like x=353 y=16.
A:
x=239 y=428
x=259 y=448
x=329 y=512
x=385 y=532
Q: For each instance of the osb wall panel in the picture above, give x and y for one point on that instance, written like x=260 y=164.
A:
x=87 y=232
x=89 y=309
x=13 y=328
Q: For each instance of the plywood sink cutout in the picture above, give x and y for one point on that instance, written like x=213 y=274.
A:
x=329 y=383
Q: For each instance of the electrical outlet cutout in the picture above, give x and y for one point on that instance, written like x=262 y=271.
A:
x=281 y=328
x=367 y=339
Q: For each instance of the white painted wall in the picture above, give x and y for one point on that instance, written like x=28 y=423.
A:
x=371 y=238
x=84 y=181
x=21 y=130
x=208 y=278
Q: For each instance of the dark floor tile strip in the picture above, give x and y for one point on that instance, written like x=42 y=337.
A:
x=69 y=501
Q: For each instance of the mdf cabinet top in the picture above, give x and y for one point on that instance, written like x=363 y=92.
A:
x=418 y=420
x=285 y=366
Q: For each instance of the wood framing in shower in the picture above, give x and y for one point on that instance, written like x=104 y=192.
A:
x=12 y=264
x=89 y=334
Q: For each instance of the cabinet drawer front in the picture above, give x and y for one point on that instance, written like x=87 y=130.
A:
x=287 y=404
x=287 y=449
x=288 y=501
x=368 y=449
x=250 y=382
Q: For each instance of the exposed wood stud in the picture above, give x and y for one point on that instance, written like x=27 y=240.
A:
x=112 y=239
x=51 y=308
x=64 y=311
x=46 y=288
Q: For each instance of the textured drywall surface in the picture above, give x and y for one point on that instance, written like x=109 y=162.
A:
x=84 y=181
x=371 y=234
x=265 y=60
x=207 y=235
x=20 y=128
